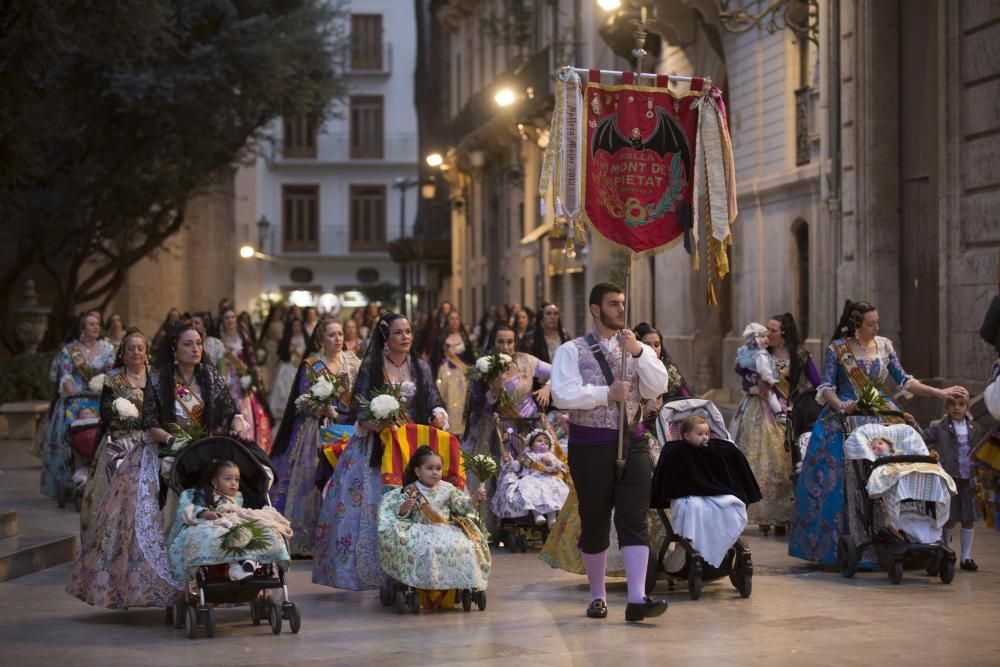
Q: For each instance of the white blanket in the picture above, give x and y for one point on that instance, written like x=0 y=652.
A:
x=712 y=523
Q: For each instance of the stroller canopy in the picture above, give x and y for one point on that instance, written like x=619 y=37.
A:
x=256 y=471
x=905 y=438
x=677 y=411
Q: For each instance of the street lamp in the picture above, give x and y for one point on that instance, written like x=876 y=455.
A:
x=505 y=97
x=263 y=225
x=435 y=160
x=609 y=5
x=403 y=184
x=246 y=252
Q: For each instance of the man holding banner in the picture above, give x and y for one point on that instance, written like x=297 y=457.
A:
x=584 y=383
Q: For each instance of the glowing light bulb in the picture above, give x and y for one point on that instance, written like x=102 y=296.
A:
x=246 y=252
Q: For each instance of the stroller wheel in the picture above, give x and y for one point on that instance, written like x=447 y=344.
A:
x=385 y=593
x=413 y=601
x=61 y=494
x=481 y=600
x=209 y=614
x=522 y=543
x=401 y=602
x=78 y=501
x=847 y=556
x=275 y=618
x=255 y=612
x=466 y=599
x=178 y=615
x=745 y=585
x=896 y=572
x=946 y=570
x=695 y=582
x=291 y=612
x=191 y=621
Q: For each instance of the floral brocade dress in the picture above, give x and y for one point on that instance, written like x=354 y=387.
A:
x=123 y=560
x=57 y=454
x=235 y=365
x=437 y=545
x=345 y=548
x=822 y=512
x=121 y=437
x=295 y=494
x=452 y=384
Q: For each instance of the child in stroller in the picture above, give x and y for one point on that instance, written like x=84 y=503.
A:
x=226 y=538
x=429 y=538
x=532 y=484
x=907 y=495
x=707 y=483
x=84 y=434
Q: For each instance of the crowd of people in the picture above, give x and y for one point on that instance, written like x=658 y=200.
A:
x=549 y=417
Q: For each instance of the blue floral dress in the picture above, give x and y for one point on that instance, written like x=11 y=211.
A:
x=295 y=457
x=345 y=547
x=820 y=515
x=195 y=542
x=70 y=363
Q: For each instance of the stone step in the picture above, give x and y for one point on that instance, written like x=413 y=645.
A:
x=21 y=555
x=8 y=524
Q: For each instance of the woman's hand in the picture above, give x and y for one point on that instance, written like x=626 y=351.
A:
x=68 y=387
x=480 y=495
x=241 y=429
x=848 y=407
x=208 y=516
x=328 y=411
x=496 y=386
x=542 y=396
x=956 y=391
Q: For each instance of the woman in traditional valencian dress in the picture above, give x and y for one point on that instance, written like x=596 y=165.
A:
x=114 y=331
x=291 y=350
x=547 y=335
x=77 y=363
x=296 y=450
x=453 y=353
x=239 y=366
x=123 y=561
x=482 y=407
x=345 y=553
x=214 y=350
x=122 y=430
x=856 y=356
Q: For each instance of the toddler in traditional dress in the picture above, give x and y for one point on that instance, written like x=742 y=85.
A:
x=205 y=516
x=951 y=437
x=532 y=483
x=753 y=359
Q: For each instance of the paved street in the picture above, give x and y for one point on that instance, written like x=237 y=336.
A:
x=796 y=616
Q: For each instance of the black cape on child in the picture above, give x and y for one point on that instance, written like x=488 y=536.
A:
x=717 y=469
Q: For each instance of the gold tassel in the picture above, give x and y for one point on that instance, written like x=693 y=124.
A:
x=712 y=300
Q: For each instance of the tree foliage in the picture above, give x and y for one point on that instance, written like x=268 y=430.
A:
x=121 y=111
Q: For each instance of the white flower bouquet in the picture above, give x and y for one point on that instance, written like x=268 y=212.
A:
x=243 y=538
x=96 y=383
x=384 y=405
x=319 y=397
x=489 y=367
x=126 y=413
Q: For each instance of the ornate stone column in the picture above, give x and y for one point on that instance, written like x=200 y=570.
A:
x=30 y=320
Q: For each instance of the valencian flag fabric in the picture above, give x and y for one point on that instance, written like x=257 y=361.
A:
x=400 y=443
x=644 y=165
x=333 y=440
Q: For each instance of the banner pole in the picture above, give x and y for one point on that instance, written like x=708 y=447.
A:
x=622 y=405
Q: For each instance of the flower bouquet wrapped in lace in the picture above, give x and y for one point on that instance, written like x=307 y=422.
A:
x=243 y=538
x=126 y=414
x=385 y=405
x=487 y=369
x=96 y=383
x=319 y=397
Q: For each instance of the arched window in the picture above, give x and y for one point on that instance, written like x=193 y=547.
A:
x=800 y=232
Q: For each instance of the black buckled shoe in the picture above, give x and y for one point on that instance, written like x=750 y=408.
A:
x=597 y=609
x=969 y=565
x=650 y=608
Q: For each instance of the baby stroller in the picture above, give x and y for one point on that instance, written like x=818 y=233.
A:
x=398 y=446
x=719 y=479
x=212 y=585
x=900 y=502
x=84 y=435
x=517 y=532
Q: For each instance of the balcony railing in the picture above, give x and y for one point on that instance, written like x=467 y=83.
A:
x=368 y=66
x=336 y=149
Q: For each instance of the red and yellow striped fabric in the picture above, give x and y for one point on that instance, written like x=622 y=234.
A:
x=399 y=444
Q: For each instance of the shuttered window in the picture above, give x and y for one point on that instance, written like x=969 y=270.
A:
x=367 y=127
x=366 y=42
x=300 y=218
x=368 y=217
